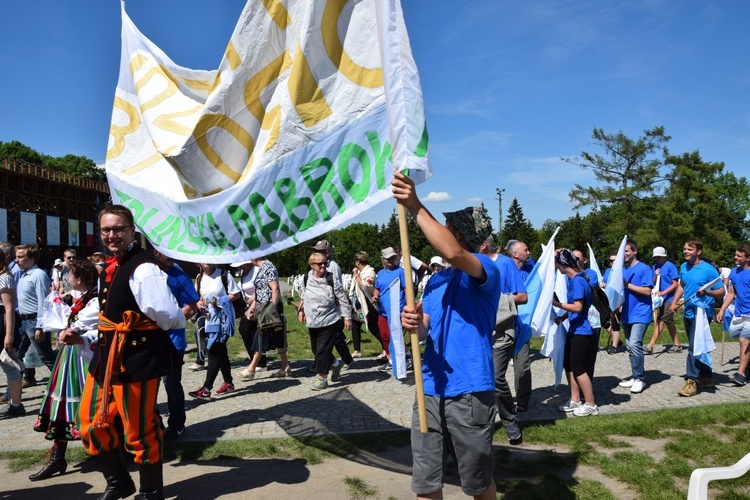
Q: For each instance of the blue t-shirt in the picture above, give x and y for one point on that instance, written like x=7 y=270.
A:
x=637 y=307
x=579 y=289
x=183 y=290
x=607 y=272
x=382 y=282
x=591 y=276
x=511 y=280
x=669 y=273
x=458 y=355
x=694 y=277
x=526 y=269
x=740 y=279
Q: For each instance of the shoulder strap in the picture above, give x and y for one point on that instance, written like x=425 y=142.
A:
x=198 y=283
x=329 y=279
x=225 y=280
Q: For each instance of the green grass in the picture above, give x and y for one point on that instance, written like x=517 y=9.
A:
x=358 y=488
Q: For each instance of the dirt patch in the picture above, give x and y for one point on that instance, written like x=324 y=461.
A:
x=654 y=448
x=384 y=475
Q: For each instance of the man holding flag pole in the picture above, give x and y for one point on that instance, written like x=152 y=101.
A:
x=457 y=317
x=695 y=274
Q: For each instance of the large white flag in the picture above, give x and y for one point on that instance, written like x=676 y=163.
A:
x=593 y=265
x=544 y=319
x=296 y=132
x=534 y=316
x=703 y=341
x=615 y=287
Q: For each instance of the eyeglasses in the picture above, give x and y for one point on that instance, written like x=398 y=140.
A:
x=317 y=263
x=612 y=261
x=70 y=257
x=118 y=230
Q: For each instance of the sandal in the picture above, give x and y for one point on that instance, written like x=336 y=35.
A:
x=282 y=373
x=246 y=375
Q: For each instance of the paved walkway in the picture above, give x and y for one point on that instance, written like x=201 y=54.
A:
x=365 y=400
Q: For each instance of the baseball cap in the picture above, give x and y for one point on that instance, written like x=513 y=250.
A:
x=322 y=246
x=58 y=262
x=660 y=252
x=240 y=264
x=473 y=223
x=387 y=253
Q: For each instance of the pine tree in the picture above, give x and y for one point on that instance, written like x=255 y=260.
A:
x=517 y=227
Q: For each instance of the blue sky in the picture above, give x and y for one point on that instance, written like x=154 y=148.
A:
x=509 y=87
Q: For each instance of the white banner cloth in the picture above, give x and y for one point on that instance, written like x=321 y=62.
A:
x=297 y=131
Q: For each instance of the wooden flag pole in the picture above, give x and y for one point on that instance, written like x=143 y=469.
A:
x=410 y=301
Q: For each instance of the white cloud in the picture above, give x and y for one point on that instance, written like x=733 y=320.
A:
x=438 y=196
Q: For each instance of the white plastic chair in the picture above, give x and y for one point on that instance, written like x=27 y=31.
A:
x=698 y=489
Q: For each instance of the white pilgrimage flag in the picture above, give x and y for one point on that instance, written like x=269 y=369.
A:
x=703 y=341
x=535 y=317
x=615 y=287
x=397 y=347
x=593 y=265
x=296 y=132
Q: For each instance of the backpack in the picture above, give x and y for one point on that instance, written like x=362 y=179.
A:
x=329 y=279
x=239 y=304
x=600 y=302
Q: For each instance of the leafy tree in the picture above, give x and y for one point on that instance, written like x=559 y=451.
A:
x=629 y=171
x=702 y=201
x=15 y=150
x=76 y=166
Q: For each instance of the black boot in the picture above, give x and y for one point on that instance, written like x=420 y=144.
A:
x=56 y=462
x=119 y=483
x=152 y=482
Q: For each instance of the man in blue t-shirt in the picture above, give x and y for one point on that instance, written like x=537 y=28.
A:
x=382 y=297
x=583 y=263
x=187 y=297
x=457 y=317
x=695 y=274
x=638 y=279
x=668 y=277
x=513 y=293
x=739 y=291
x=519 y=252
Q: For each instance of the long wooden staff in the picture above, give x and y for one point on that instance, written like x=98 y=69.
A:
x=415 y=355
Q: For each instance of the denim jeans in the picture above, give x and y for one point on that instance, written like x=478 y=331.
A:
x=634 y=341
x=175 y=397
x=693 y=367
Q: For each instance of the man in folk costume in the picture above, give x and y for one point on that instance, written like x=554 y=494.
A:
x=132 y=352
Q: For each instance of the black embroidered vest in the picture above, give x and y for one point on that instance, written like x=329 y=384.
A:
x=147 y=354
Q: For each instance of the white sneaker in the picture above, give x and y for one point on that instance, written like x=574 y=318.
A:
x=570 y=406
x=586 y=410
x=638 y=386
x=627 y=383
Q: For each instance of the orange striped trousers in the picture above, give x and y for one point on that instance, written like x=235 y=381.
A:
x=135 y=404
